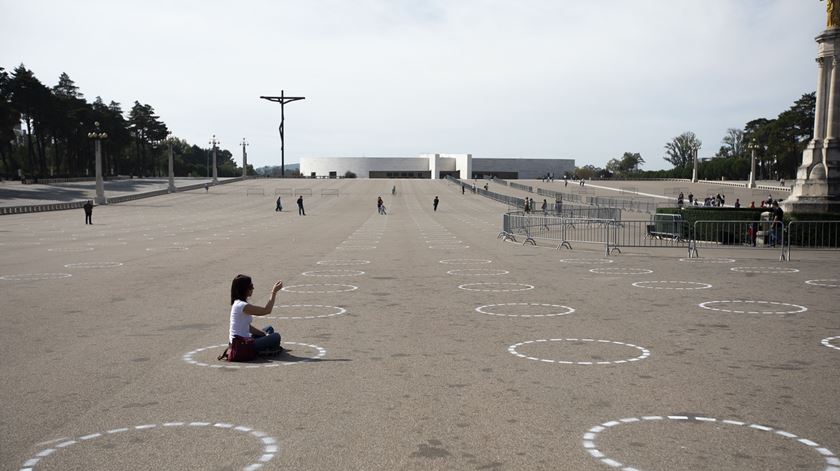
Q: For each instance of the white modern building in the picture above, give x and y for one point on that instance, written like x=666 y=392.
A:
x=434 y=166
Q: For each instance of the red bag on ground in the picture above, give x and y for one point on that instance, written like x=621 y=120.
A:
x=241 y=349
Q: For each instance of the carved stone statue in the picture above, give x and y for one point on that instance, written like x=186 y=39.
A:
x=833 y=17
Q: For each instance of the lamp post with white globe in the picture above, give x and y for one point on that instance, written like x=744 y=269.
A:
x=214 y=142
x=172 y=188
x=97 y=137
x=244 y=158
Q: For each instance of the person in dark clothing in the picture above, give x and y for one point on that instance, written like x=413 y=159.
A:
x=435 y=202
x=301 y=212
x=778 y=224
x=88 y=212
x=462 y=189
x=279 y=204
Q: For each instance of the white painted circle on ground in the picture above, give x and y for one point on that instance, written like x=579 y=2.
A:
x=477 y=272
x=764 y=270
x=331 y=288
x=333 y=273
x=342 y=263
x=501 y=289
x=827 y=342
x=465 y=261
x=590 y=436
x=621 y=271
x=160 y=249
x=35 y=276
x=798 y=308
x=269 y=444
x=827 y=282
x=675 y=285
x=586 y=261
x=708 y=260
x=339 y=311
x=644 y=352
x=93 y=265
x=567 y=310
x=106 y=244
x=188 y=357
x=71 y=249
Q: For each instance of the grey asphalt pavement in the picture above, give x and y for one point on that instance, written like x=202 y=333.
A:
x=418 y=341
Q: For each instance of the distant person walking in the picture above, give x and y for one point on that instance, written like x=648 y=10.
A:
x=301 y=211
x=463 y=189
x=88 y=212
x=435 y=202
x=279 y=204
x=380 y=206
x=393 y=190
x=545 y=207
x=206 y=187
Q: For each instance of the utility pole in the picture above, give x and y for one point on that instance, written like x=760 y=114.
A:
x=282 y=99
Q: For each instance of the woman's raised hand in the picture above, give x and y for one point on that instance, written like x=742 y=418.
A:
x=277 y=287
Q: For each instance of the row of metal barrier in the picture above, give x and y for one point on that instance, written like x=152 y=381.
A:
x=692 y=237
x=598 y=207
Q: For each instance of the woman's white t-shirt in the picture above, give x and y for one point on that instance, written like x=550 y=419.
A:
x=240 y=323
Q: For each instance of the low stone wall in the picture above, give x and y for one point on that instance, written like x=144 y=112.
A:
x=37 y=208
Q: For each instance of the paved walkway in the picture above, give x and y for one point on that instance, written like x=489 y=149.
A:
x=419 y=341
x=13 y=193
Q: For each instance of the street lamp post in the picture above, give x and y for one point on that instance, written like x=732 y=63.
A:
x=172 y=188
x=244 y=158
x=214 y=142
x=97 y=137
x=753 y=146
x=696 y=155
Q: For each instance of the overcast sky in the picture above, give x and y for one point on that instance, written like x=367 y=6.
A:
x=580 y=79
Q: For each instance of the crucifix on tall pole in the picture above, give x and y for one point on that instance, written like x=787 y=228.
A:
x=282 y=99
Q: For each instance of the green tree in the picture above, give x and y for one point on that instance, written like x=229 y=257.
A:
x=680 y=151
x=145 y=127
x=29 y=97
x=733 y=144
x=9 y=122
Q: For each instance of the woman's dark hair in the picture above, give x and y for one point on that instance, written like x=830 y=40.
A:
x=239 y=288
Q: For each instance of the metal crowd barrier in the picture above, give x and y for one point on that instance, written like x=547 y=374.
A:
x=813 y=235
x=650 y=234
x=522 y=187
x=693 y=237
x=763 y=235
x=562 y=230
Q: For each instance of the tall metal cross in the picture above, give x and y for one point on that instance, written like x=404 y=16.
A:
x=282 y=99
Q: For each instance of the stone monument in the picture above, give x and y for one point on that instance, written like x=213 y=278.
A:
x=817 y=186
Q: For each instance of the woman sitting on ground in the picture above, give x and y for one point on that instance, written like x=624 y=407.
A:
x=241 y=314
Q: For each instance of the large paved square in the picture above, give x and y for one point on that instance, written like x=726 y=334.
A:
x=418 y=341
